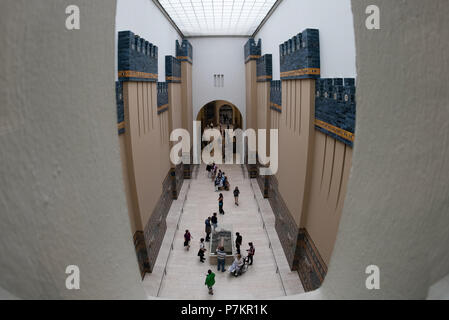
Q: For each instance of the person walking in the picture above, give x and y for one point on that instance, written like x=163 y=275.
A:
x=221 y=259
x=214 y=221
x=238 y=242
x=236 y=195
x=251 y=252
x=220 y=204
x=208 y=228
x=202 y=250
x=187 y=238
x=210 y=281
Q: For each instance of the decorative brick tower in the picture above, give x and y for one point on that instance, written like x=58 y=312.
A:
x=184 y=53
x=138 y=127
x=174 y=80
x=264 y=78
x=252 y=52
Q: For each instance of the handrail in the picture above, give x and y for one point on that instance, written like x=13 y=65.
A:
x=269 y=240
x=174 y=236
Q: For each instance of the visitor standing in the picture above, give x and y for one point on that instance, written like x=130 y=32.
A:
x=220 y=204
x=238 y=242
x=202 y=250
x=221 y=259
x=251 y=252
x=210 y=281
x=187 y=238
x=214 y=221
x=208 y=228
x=236 y=195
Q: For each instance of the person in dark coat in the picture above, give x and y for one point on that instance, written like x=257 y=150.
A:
x=187 y=238
x=238 y=242
x=208 y=228
x=214 y=221
x=202 y=250
x=220 y=204
x=236 y=195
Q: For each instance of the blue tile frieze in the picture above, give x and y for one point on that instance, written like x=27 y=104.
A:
x=253 y=50
x=265 y=68
x=172 y=70
x=137 y=58
x=162 y=97
x=335 y=108
x=120 y=107
x=276 y=95
x=300 y=56
x=184 y=51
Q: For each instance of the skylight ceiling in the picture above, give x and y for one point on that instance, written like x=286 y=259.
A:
x=217 y=17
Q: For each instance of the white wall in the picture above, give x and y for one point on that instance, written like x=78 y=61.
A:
x=218 y=56
x=144 y=19
x=334 y=20
x=61 y=186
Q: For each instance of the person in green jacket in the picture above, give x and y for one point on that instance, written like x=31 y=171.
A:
x=210 y=281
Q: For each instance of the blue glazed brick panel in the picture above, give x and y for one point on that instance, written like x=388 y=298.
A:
x=120 y=107
x=253 y=50
x=137 y=58
x=265 y=68
x=276 y=96
x=172 y=69
x=335 y=108
x=184 y=51
x=300 y=56
x=162 y=97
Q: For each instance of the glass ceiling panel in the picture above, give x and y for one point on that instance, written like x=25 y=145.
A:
x=217 y=17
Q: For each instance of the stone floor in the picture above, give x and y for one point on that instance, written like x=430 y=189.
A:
x=178 y=274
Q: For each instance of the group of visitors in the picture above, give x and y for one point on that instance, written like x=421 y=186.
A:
x=236 y=267
x=218 y=177
x=240 y=262
x=221 y=182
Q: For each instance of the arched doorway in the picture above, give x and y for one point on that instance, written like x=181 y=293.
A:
x=220 y=114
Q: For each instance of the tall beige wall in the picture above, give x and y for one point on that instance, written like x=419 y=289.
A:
x=143 y=138
x=263 y=105
x=164 y=150
x=175 y=106
x=133 y=209
x=275 y=118
x=296 y=134
x=251 y=94
x=263 y=110
x=330 y=170
x=186 y=96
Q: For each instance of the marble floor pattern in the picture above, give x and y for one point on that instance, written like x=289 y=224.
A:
x=178 y=274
